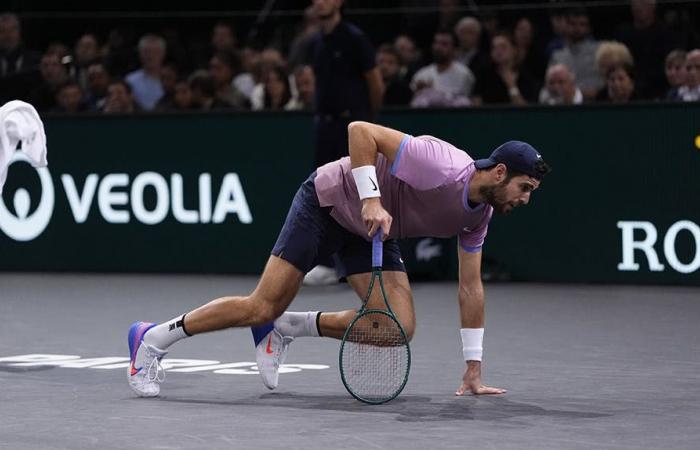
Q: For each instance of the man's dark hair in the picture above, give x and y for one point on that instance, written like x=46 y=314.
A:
x=122 y=83
x=204 y=84
x=449 y=32
x=541 y=169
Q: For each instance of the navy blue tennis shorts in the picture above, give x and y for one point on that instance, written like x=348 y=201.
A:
x=310 y=235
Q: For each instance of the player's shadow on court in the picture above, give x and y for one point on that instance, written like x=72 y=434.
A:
x=407 y=408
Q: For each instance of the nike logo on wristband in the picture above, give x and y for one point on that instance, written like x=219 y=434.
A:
x=373 y=184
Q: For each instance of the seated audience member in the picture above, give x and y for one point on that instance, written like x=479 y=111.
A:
x=182 y=99
x=244 y=81
x=168 y=77
x=18 y=74
x=409 y=56
x=675 y=73
x=649 y=41
x=69 y=98
x=611 y=54
x=222 y=67
x=448 y=77
x=690 y=91
x=530 y=57
x=397 y=92
x=98 y=80
x=85 y=52
x=579 y=52
x=503 y=81
x=620 y=86
x=305 y=90
x=120 y=99
x=204 y=93
x=145 y=82
x=469 y=52
x=53 y=74
x=276 y=90
x=560 y=87
x=269 y=59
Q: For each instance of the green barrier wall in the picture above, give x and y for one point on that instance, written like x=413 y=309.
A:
x=131 y=194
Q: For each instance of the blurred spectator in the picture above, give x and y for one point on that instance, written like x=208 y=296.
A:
x=649 y=41
x=222 y=67
x=503 y=81
x=452 y=80
x=183 y=100
x=244 y=81
x=268 y=59
x=85 y=52
x=203 y=91
x=610 y=54
x=17 y=64
x=675 y=73
x=69 y=98
x=348 y=84
x=145 y=82
x=277 y=91
x=560 y=29
x=305 y=88
x=168 y=77
x=469 y=53
x=579 y=53
x=223 y=38
x=98 y=81
x=529 y=54
x=560 y=87
x=298 y=49
x=120 y=99
x=53 y=75
x=620 y=84
x=118 y=51
x=410 y=57
x=690 y=92
x=396 y=90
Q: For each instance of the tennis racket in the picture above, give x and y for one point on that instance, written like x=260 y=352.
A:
x=375 y=358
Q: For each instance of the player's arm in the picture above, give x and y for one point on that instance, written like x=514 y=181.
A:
x=365 y=141
x=375 y=87
x=471 y=308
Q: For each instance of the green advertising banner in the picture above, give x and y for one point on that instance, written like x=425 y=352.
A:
x=208 y=193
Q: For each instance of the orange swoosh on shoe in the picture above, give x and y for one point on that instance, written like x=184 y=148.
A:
x=269 y=343
x=134 y=370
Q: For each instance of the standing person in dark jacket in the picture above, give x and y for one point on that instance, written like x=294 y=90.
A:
x=349 y=87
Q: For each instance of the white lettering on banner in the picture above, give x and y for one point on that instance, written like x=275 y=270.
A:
x=629 y=245
x=162 y=198
x=106 y=198
x=171 y=365
x=80 y=203
x=205 y=198
x=426 y=250
x=181 y=214
x=232 y=200
x=670 y=246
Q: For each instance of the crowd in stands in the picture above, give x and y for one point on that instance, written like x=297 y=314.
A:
x=471 y=62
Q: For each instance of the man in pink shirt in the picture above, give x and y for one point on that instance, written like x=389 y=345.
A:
x=407 y=187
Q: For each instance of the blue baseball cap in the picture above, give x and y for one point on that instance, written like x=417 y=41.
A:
x=517 y=155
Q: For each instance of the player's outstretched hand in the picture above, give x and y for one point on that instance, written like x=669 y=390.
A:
x=472 y=383
x=375 y=216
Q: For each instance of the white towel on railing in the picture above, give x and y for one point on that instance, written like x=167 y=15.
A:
x=19 y=121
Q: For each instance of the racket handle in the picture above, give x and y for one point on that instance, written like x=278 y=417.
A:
x=377 y=250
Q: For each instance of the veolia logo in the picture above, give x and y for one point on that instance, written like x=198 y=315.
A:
x=23 y=226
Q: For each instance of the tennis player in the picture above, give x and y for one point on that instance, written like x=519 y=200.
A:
x=407 y=187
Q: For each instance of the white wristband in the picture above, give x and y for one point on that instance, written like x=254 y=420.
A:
x=366 y=181
x=472 y=343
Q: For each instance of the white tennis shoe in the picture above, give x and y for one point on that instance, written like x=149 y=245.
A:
x=270 y=354
x=145 y=372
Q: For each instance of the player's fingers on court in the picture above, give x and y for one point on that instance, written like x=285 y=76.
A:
x=489 y=390
x=462 y=389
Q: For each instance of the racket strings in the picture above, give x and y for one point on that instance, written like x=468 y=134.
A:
x=375 y=357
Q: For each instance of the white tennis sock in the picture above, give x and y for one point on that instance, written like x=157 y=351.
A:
x=298 y=324
x=167 y=333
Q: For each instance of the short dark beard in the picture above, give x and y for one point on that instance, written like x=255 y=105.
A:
x=494 y=196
